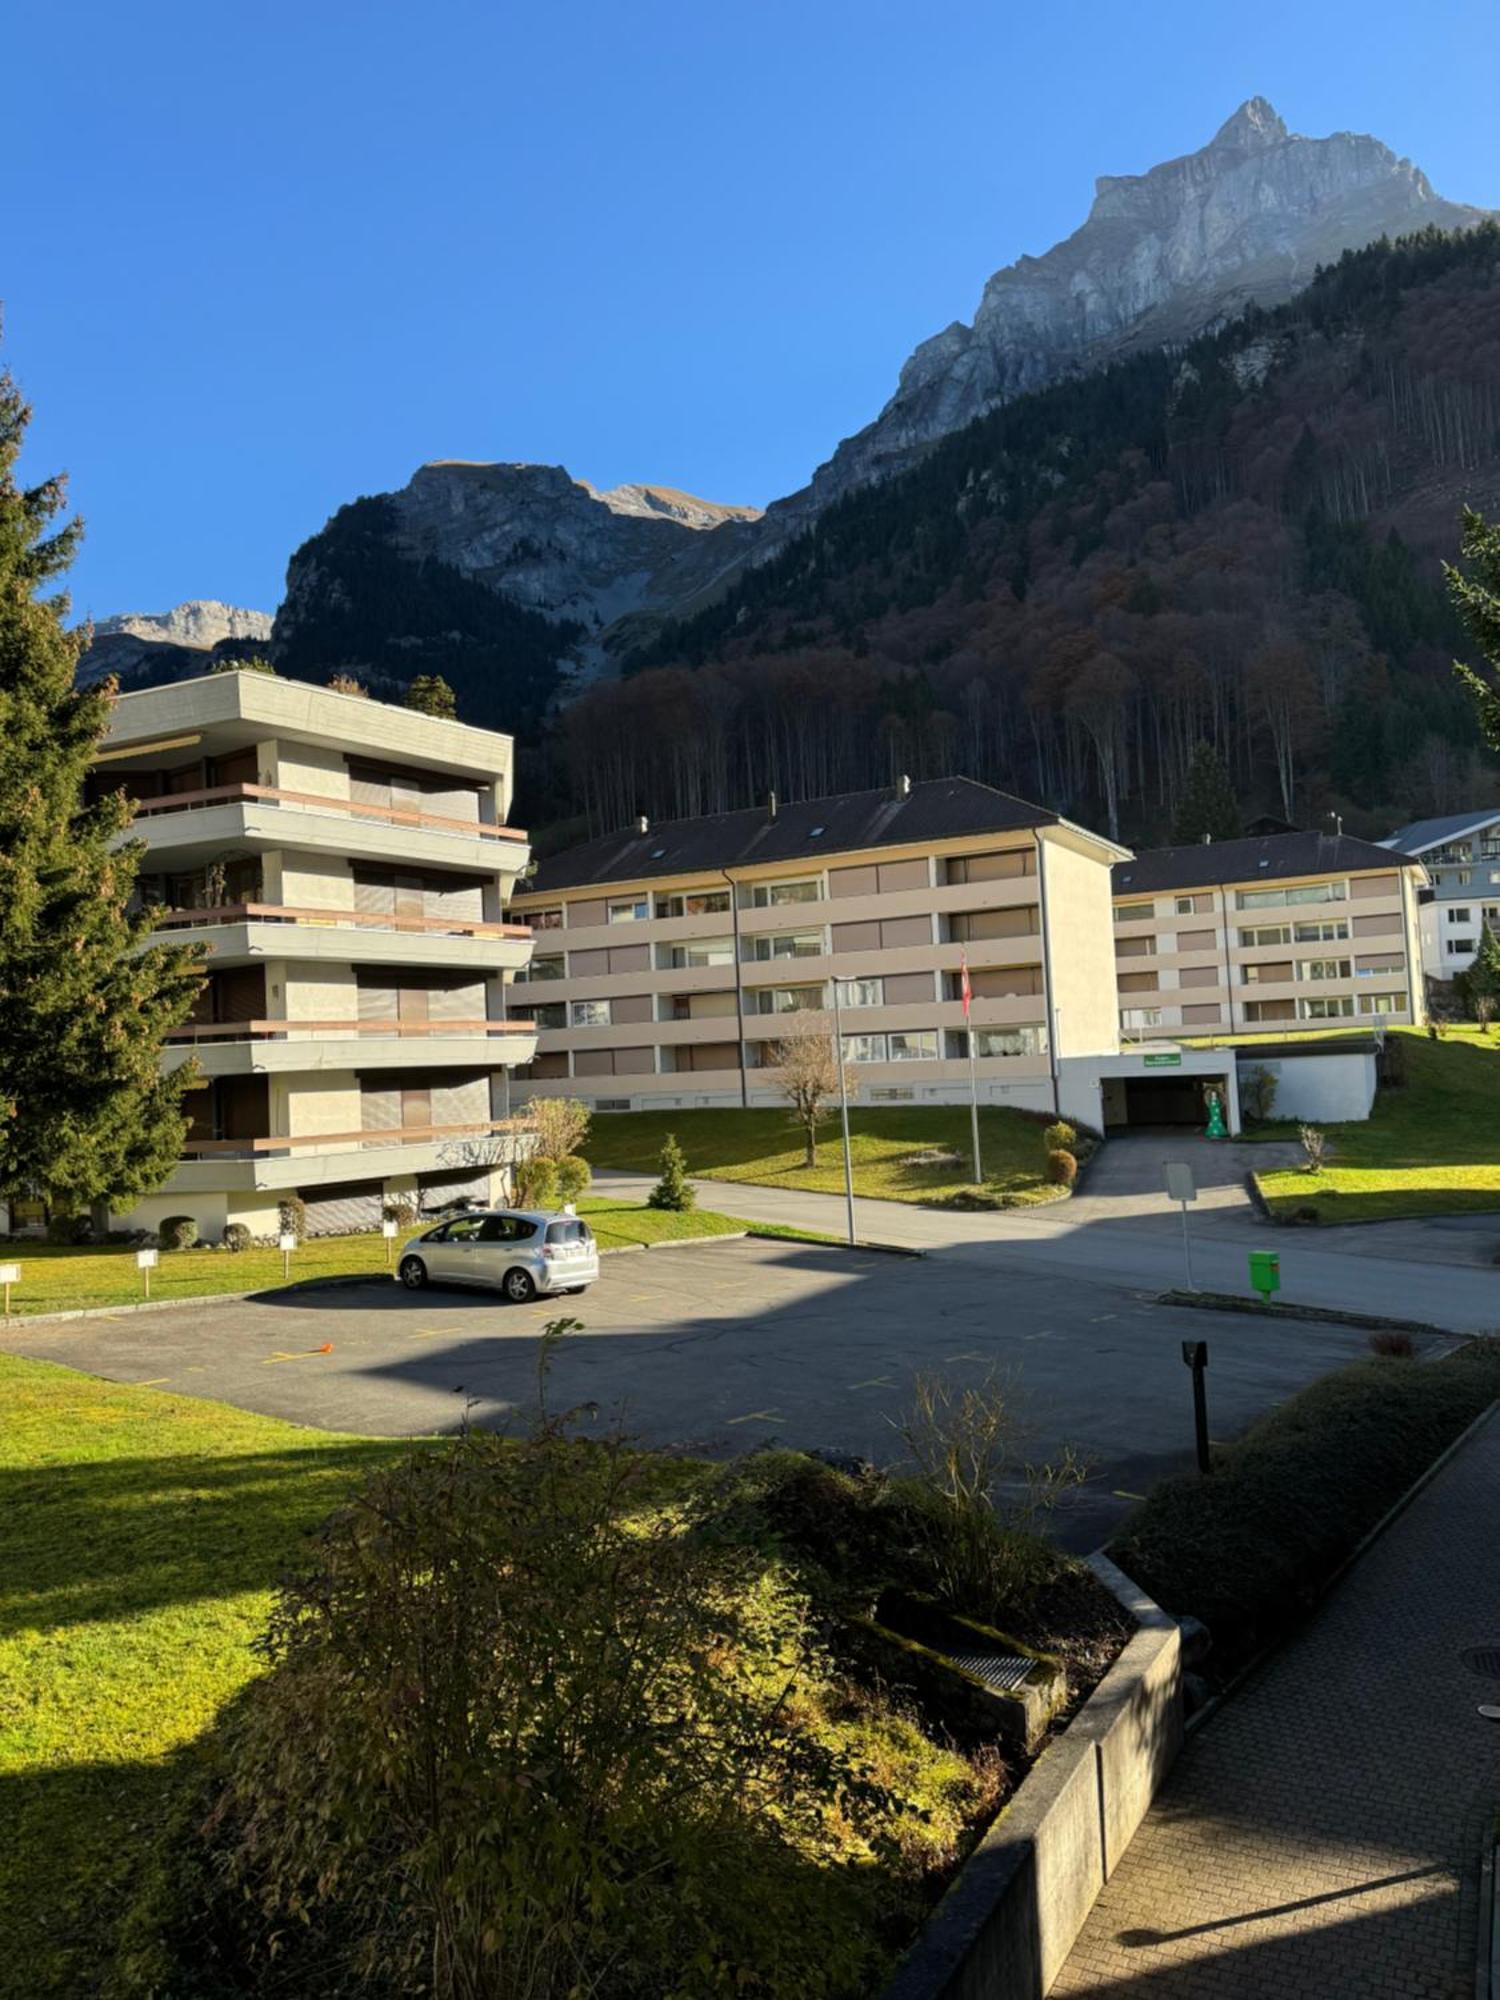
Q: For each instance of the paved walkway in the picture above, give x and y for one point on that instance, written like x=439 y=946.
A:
x=1320 y=1836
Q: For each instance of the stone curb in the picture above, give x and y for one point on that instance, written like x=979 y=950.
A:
x=198 y=1299
x=1014 y=1911
x=1324 y=1315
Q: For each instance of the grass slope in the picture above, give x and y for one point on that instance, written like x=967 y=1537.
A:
x=1430 y=1147
x=762 y=1147
x=140 y=1535
x=59 y=1279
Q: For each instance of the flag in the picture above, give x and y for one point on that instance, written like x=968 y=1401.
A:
x=965 y=991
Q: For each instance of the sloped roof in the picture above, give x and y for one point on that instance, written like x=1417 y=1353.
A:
x=937 y=809
x=1276 y=857
x=1425 y=833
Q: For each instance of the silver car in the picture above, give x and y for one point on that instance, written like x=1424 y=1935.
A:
x=524 y=1253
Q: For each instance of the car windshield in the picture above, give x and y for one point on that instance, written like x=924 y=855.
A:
x=567 y=1232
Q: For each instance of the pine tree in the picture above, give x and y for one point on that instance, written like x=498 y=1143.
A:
x=1208 y=808
x=430 y=694
x=1476 y=598
x=85 y=1114
x=674 y=1190
x=1479 y=983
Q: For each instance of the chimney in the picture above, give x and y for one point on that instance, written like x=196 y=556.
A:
x=642 y=824
x=771 y=806
x=903 y=787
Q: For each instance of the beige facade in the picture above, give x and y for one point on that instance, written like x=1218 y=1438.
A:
x=1312 y=948
x=346 y=866
x=671 y=988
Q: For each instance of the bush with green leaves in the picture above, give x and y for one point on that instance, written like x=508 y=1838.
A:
x=237 y=1237
x=674 y=1191
x=400 y=1209
x=69 y=1229
x=536 y=1182
x=291 y=1216
x=1060 y=1137
x=530 y=1730
x=1062 y=1167
x=178 y=1232
x=574 y=1177
x=1258 y=1093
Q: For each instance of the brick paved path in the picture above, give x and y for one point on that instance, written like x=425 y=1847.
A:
x=1319 y=1837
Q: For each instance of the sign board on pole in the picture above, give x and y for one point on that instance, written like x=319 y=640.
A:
x=1164 y=1059
x=389 y=1227
x=145 y=1260
x=286 y=1241
x=10 y=1274
x=1180 y=1183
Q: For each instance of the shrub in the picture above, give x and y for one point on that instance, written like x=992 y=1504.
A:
x=1060 y=1137
x=1392 y=1345
x=561 y=1125
x=536 y=1182
x=1062 y=1167
x=347 y=684
x=573 y=1177
x=291 y=1216
x=400 y=1209
x=1258 y=1093
x=237 y=1236
x=178 y=1232
x=674 y=1190
x=69 y=1229
x=593 y=1770
x=1314 y=1147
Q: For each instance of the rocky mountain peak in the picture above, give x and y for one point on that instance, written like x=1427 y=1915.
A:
x=1256 y=123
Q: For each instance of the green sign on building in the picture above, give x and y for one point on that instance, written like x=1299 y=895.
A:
x=1172 y=1060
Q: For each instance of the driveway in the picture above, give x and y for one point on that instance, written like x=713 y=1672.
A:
x=717 y=1348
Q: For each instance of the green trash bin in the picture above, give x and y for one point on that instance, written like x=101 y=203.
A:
x=1265 y=1272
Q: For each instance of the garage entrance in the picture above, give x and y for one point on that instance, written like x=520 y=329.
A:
x=1140 y=1102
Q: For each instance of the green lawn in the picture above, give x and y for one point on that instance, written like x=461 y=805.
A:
x=57 y=1279
x=1431 y=1147
x=140 y=1534
x=764 y=1148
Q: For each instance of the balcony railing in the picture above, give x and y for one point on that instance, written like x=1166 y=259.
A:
x=219 y=795
x=385 y=920
x=366 y=1137
x=285 y=1031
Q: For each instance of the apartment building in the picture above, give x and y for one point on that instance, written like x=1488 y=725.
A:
x=1233 y=936
x=668 y=958
x=346 y=865
x=1461 y=854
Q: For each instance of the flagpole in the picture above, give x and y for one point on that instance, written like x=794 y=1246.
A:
x=973 y=1079
x=838 y=1043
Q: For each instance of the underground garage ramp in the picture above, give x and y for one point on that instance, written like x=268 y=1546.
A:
x=1169 y=1100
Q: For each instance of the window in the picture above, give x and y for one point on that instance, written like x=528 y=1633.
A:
x=1184 y=906
x=785 y=999
x=1140 y=1017
x=628 y=910
x=1272 y=972
x=1270 y=1010
x=790 y=944
x=1463 y=877
x=1461 y=947
x=693 y=903
x=1336 y=1007
x=1325 y=968
x=1134 y=913
x=1332 y=930
x=571 y=1231
x=1308 y=892
x=910 y=1046
x=1462 y=915
x=861 y=992
x=545 y=968
x=1271 y=934
x=553 y=1014
x=1384 y=962
x=695 y=952
x=546 y=920
x=768 y=895
x=591 y=1014
x=865 y=1048
x=991 y=1042
x=1382 y=1003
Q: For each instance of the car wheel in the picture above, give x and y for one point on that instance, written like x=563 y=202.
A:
x=519 y=1286
x=413 y=1273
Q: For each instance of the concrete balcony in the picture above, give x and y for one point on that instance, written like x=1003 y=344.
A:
x=240 y=933
x=187 y=829
x=279 y=1047
x=243 y=1165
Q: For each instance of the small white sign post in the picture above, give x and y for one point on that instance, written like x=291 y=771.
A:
x=388 y=1231
x=145 y=1263
x=286 y=1243
x=10 y=1274
x=1182 y=1188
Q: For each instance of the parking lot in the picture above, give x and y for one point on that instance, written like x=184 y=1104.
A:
x=717 y=1348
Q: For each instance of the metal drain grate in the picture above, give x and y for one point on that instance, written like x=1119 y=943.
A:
x=1483 y=1660
x=1000 y=1671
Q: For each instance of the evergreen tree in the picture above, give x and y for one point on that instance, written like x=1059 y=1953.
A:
x=674 y=1190
x=430 y=694
x=1476 y=598
x=85 y=1114
x=1208 y=808
x=1479 y=983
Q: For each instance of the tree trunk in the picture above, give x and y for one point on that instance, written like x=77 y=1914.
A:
x=810 y=1138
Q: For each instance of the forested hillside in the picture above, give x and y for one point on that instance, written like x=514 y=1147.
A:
x=1238 y=541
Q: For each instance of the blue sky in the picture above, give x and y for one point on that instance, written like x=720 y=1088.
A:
x=259 y=258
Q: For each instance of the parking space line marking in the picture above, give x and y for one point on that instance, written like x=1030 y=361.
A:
x=966 y=1357
x=306 y=1354
x=1100 y=1318
x=154 y=1383
x=1121 y=1494
x=759 y=1417
x=875 y=1382
x=426 y=1332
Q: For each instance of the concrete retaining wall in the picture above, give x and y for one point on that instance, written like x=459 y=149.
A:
x=1005 y=1927
x=1333 y=1089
